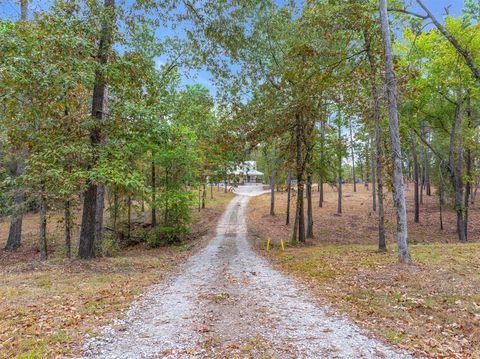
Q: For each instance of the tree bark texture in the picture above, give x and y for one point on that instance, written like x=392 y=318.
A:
x=289 y=195
x=300 y=211
x=42 y=239
x=154 y=195
x=374 y=175
x=352 y=152
x=398 y=185
x=14 y=240
x=416 y=180
x=382 y=246
x=68 y=228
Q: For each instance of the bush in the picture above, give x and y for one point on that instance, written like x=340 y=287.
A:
x=110 y=246
x=167 y=235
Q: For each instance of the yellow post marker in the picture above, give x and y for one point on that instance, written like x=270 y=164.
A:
x=268 y=244
x=283 y=246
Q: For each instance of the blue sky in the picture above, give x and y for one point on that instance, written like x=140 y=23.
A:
x=10 y=9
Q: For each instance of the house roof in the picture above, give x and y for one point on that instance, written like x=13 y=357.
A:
x=247 y=168
x=254 y=173
x=250 y=173
x=247 y=172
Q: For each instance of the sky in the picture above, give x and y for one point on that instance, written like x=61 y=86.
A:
x=10 y=9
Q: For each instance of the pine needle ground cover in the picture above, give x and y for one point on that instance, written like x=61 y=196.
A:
x=47 y=309
x=431 y=308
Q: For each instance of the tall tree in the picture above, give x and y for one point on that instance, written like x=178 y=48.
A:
x=352 y=154
x=398 y=184
x=15 y=232
x=375 y=93
x=416 y=180
x=92 y=217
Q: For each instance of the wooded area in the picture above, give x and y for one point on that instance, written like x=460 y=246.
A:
x=107 y=145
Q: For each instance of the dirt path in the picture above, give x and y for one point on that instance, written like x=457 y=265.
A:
x=228 y=302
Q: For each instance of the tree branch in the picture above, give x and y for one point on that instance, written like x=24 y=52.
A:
x=434 y=151
x=466 y=55
x=404 y=11
x=462 y=51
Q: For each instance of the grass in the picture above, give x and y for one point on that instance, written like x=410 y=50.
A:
x=47 y=309
x=430 y=308
x=46 y=312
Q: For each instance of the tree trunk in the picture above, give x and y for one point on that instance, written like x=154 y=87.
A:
x=426 y=166
x=154 y=195
x=421 y=166
x=199 y=198
x=456 y=170
x=14 y=240
x=374 y=176
x=272 y=193
x=308 y=141
x=427 y=175
x=382 y=246
x=360 y=168
x=86 y=246
x=474 y=194
x=468 y=189
x=204 y=194
x=399 y=190
x=460 y=209
x=68 y=228
x=322 y=162
x=352 y=151
x=289 y=194
x=321 y=197
x=440 y=197
x=409 y=171
x=415 y=180
x=339 y=169
x=115 y=209
x=441 y=212
x=166 y=212
x=87 y=230
x=309 y=207
x=300 y=212
x=468 y=163
x=42 y=240
x=129 y=216
x=295 y=225
x=211 y=189
x=99 y=209
x=23 y=10
x=367 y=160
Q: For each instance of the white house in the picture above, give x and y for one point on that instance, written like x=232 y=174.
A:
x=247 y=171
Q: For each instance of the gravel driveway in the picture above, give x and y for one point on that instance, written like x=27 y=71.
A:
x=228 y=302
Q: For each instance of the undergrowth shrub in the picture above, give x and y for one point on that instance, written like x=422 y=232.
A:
x=167 y=235
x=110 y=246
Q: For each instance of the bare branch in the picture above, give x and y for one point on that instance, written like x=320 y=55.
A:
x=407 y=12
x=434 y=151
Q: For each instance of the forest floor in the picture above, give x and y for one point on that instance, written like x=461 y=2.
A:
x=47 y=309
x=430 y=308
x=228 y=302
